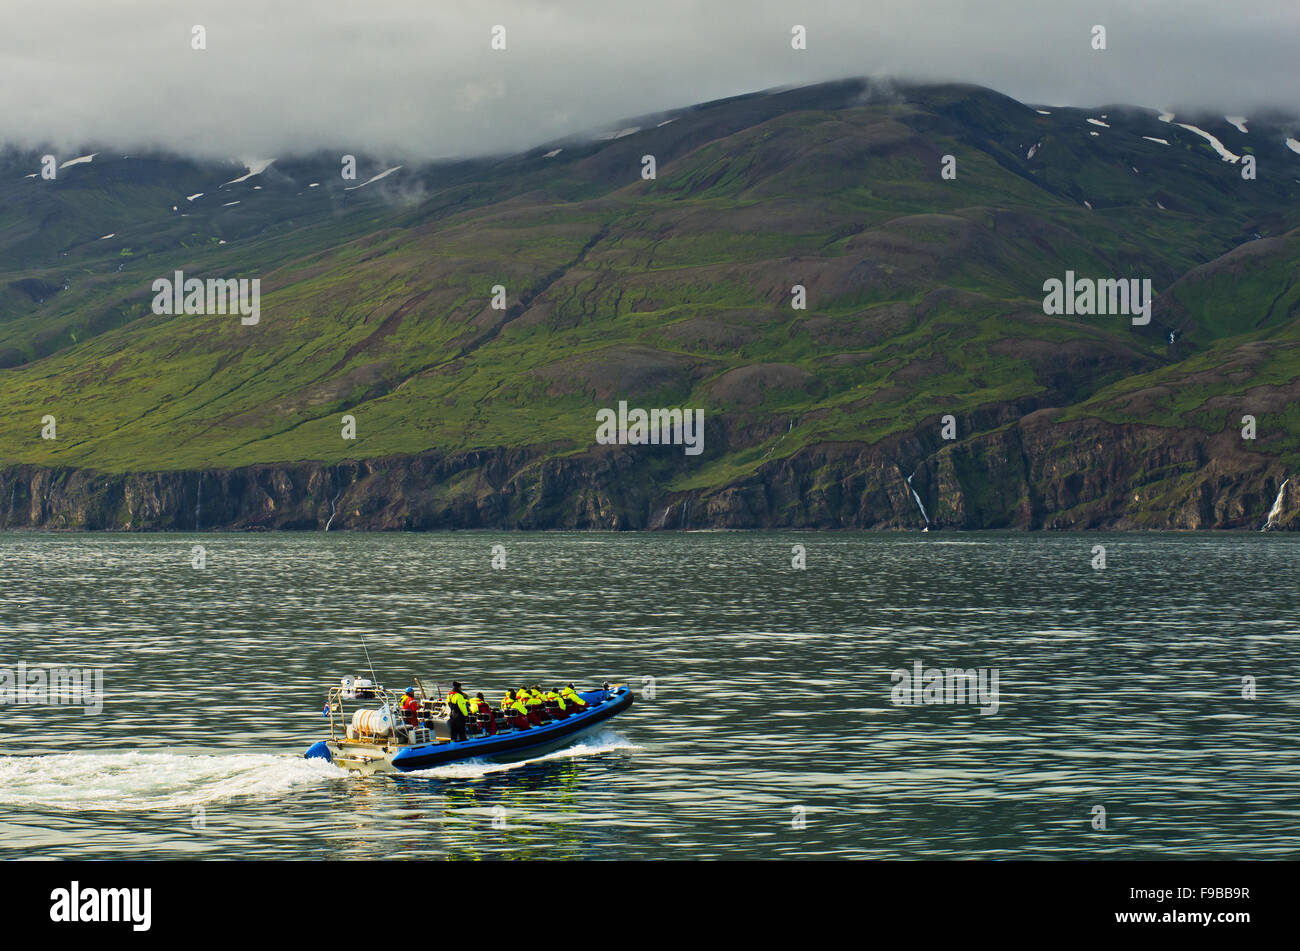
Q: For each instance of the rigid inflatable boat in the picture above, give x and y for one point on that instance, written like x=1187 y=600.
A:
x=374 y=740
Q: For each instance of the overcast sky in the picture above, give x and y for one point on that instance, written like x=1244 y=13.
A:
x=418 y=78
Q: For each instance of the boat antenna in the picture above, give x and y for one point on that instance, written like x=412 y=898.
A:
x=368 y=664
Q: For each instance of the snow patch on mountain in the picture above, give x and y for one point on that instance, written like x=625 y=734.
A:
x=1239 y=122
x=1104 y=125
x=1152 y=138
x=1217 y=145
x=83 y=160
x=373 y=178
x=255 y=167
x=1293 y=145
x=1166 y=117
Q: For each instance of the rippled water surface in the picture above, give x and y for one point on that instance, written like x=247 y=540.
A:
x=771 y=730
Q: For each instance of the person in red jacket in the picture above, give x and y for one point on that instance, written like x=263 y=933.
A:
x=410 y=707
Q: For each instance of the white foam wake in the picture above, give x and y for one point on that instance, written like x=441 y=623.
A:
x=593 y=745
x=127 y=781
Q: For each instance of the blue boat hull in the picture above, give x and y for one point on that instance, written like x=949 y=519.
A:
x=502 y=746
x=516 y=744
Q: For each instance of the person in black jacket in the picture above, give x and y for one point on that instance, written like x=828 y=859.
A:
x=459 y=708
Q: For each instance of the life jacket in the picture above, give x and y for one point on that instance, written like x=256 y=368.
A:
x=557 y=698
x=571 y=695
x=518 y=707
x=475 y=703
x=457 y=699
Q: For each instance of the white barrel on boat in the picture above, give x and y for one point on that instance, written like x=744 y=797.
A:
x=373 y=722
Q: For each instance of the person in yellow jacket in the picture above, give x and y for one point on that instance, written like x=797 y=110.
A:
x=574 y=700
x=534 y=704
x=561 y=708
x=459 y=710
x=513 y=707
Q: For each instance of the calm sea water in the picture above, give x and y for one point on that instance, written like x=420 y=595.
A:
x=770 y=733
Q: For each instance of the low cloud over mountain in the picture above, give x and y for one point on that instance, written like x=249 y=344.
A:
x=418 y=79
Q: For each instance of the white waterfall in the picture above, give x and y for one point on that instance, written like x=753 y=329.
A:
x=918 y=501
x=333 y=510
x=1276 y=510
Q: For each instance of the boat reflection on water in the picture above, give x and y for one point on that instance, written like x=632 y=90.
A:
x=531 y=810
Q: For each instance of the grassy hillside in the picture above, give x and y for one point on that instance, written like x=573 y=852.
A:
x=924 y=294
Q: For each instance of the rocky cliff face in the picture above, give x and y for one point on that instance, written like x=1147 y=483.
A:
x=1032 y=473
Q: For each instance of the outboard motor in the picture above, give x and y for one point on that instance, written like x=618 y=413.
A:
x=319 y=750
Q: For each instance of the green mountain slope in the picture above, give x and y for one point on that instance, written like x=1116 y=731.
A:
x=924 y=299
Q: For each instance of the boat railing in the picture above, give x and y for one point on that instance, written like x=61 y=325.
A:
x=340 y=719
